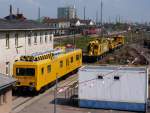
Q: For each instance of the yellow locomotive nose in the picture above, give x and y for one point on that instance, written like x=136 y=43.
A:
x=25 y=75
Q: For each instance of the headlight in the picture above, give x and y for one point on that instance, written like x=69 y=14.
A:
x=17 y=83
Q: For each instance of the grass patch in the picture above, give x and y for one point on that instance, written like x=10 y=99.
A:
x=81 y=42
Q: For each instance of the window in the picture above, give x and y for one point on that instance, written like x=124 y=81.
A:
x=41 y=38
x=50 y=38
x=67 y=62
x=71 y=59
x=7 y=68
x=7 y=40
x=77 y=57
x=49 y=68
x=3 y=98
x=61 y=64
x=100 y=77
x=80 y=56
x=46 y=37
x=25 y=71
x=29 y=39
x=42 y=71
x=16 y=40
x=35 y=38
x=116 y=77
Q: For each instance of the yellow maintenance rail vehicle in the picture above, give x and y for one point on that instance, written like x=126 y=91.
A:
x=39 y=70
x=98 y=48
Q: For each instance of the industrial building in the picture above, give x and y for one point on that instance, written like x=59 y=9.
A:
x=66 y=12
x=113 y=87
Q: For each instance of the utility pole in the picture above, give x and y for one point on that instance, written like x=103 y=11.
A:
x=101 y=21
x=74 y=28
x=39 y=14
x=84 y=13
x=55 y=93
x=96 y=17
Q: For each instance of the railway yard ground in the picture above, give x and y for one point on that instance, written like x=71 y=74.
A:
x=44 y=103
x=133 y=54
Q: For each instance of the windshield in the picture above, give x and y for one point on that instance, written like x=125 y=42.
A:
x=25 y=71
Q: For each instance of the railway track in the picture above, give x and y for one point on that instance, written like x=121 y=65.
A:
x=20 y=103
x=142 y=51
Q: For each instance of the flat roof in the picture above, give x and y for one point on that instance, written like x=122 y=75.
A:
x=119 y=67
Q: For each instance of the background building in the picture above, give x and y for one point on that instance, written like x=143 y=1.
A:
x=66 y=12
x=18 y=38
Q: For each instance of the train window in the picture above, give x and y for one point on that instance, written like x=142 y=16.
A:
x=42 y=71
x=61 y=64
x=71 y=59
x=67 y=62
x=77 y=57
x=25 y=71
x=80 y=56
x=49 y=68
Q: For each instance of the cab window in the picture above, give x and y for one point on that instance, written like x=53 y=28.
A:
x=25 y=71
x=48 y=68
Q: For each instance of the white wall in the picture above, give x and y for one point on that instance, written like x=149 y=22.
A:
x=131 y=86
x=12 y=53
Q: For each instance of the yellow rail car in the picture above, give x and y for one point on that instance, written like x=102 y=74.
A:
x=98 y=48
x=36 y=73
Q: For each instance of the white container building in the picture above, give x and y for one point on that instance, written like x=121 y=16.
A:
x=109 y=87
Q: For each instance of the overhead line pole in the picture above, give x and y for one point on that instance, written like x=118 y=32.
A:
x=101 y=21
x=84 y=13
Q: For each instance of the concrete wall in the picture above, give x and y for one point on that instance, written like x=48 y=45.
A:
x=6 y=106
x=9 y=55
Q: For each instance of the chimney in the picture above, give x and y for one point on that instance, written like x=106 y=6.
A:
x=10 y=12
x=18 y=11
x=10 y=9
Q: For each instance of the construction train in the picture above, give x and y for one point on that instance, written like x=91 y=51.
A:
x=36 y=71
x=98 y=48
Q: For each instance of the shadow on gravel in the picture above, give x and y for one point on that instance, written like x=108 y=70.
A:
x=73 y=102
x=24 y=93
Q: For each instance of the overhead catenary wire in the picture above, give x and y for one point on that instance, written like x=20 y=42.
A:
x=67 y=85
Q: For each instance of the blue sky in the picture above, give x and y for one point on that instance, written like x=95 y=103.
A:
x=128 y=10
